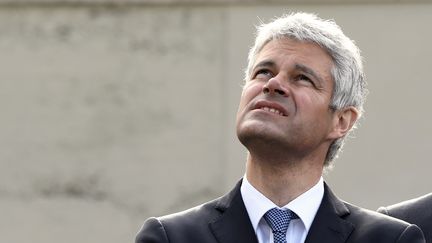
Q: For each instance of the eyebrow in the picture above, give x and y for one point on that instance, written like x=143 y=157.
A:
x=309 y=71
x=265 y=63
x=298 y=66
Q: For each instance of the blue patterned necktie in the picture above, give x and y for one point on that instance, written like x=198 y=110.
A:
x=279 y=220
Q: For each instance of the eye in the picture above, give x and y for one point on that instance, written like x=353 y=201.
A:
x=304 y=78
x=263 y=74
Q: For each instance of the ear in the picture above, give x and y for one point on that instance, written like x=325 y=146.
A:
x=343 y=121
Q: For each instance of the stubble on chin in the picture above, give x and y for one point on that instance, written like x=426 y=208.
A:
x=258 y=139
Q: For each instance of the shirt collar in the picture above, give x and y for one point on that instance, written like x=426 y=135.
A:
x=305 y=206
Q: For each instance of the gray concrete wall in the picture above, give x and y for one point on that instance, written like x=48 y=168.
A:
x=111 y=114
x=199 y=2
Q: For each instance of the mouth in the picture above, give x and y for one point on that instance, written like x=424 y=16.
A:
x=270 y=107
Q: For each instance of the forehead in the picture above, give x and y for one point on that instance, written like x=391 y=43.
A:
x=289 y=51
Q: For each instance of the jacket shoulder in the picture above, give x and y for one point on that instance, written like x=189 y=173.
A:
x=192 y=216
x=152 y=231
x=190 y=225
x=376 y=227
x=416 y=211
x=418 y=207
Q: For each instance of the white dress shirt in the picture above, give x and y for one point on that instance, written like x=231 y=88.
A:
x=305 y=206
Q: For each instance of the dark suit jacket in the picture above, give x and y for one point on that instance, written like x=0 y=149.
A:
x=225 y=220
x=416 y=211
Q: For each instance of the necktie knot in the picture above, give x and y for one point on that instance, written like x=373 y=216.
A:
x=279 y=220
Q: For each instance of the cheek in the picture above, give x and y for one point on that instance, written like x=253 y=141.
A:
x=311 y=100
x=304 y=101
x=250 y=91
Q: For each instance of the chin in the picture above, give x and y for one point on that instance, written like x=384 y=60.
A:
x=254 y=135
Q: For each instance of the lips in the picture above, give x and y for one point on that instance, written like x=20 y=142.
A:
x=270 y=107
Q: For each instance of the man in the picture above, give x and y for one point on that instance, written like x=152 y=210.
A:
x=416 y=211
x=303 y=92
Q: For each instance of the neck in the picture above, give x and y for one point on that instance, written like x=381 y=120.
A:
x=282 y=181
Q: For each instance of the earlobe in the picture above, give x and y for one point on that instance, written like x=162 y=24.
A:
x=344 y=120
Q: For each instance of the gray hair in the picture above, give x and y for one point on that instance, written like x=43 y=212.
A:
x=347 y=72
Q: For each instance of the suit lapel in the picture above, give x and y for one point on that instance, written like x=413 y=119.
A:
x=233 y=226
x=329 y=225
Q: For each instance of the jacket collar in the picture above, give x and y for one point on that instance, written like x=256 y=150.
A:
x=329 y=224
x=233 y=225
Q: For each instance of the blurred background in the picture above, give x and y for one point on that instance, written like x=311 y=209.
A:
x=111 y=112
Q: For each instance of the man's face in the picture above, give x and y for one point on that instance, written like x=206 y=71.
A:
x=285 y=105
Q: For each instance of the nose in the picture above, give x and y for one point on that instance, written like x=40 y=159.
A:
x=274 y=86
